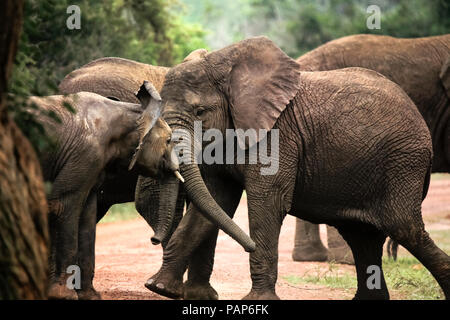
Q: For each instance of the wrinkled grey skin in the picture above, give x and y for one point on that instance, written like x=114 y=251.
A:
x=97 y=141
x=419 y=66
x=119 y=79
x=347 y=158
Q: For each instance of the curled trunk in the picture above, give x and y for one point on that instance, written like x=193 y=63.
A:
x=202 y=199
x=199 y=194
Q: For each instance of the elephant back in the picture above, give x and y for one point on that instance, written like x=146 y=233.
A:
x=114 y=78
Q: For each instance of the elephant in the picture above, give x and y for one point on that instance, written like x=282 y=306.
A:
x=96 y=141
x=118 y=79
x=345 y=156
x=421 y=67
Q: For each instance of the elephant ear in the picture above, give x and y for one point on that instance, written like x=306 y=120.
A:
x=445 y=76
x=151 y=103
x=196 y=54
x=262 y=82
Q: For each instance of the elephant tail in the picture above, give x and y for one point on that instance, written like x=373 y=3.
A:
x=392 y=248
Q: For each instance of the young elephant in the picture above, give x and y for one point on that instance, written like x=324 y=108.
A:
x=346 y=156
x=96 y=141
x=118 y=79
x=421 y=67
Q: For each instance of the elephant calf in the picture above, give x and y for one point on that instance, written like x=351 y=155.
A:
x=99 y=138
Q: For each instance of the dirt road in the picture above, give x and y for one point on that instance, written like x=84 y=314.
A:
x=125 y=258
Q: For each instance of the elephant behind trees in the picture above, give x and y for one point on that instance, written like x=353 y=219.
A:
x=347 y=157
x=100 y=135
x=419 y=66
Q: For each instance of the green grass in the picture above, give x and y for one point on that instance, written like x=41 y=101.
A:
x=412 y=281
x=406 y=278
x=120 y=212
x=331 y=277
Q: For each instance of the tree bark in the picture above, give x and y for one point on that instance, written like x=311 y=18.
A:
x=23 y=207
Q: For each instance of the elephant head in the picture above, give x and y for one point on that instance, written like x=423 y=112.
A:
x=245 y=85
x=155 y=150
x=155 y=157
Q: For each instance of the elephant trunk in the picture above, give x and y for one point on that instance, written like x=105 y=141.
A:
x=200 y=196
x=166 y=211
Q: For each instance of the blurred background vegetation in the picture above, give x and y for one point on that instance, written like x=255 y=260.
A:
x=298 y=26
x=163 y=32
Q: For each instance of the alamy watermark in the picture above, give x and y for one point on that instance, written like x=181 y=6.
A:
x=220 y=150
x=74 y=20
x=374 y=280
x=74 y=280
x=374 y=20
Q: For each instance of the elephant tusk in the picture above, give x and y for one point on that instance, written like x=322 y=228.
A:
x=178 y=175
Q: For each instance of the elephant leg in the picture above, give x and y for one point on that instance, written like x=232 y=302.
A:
x=193 y=243
x=191 y=232
x=434 y=259
x=64 y=218
x=307 y=245
x=338 y=249
x=366 y=243
x=86 y=249
x=265 y=221
x=418 y=242
x=201 y=262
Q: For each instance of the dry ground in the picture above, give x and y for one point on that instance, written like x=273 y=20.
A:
x=125 y=257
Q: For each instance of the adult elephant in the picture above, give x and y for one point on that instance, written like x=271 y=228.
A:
x=118 y=79
x=100 y=134
x=419 y=66
x=345 y=156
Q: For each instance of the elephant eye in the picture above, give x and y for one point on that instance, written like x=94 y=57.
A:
x=199 y=112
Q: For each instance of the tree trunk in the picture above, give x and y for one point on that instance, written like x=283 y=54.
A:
x=23 y=207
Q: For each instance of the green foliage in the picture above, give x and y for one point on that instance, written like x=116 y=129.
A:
x=298 y=26
x=147 y=31
x=163 y=32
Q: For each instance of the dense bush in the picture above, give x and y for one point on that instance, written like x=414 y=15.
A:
x=150 y=31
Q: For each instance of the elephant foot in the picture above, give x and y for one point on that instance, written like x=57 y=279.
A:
x=165 y=286
x=261 y=295
x=60 y=291
x=196 y=291
x=89 y=294
x=310 y=252
x=342 y=255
